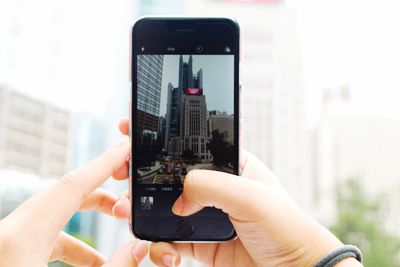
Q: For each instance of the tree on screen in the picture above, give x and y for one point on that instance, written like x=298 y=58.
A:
x=219 y=148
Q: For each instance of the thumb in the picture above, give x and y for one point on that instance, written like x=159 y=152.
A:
x=129 y=255
x=241 y=198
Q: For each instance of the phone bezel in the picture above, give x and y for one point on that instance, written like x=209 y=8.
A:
x=145 y=31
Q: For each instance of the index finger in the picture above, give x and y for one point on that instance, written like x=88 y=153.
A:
x=123 y=125
x=49 y=210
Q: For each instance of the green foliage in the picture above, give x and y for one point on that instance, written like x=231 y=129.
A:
x=360 y=223
x=87 y=239
x=58 y=264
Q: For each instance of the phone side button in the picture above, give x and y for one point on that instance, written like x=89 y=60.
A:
x=184 y=229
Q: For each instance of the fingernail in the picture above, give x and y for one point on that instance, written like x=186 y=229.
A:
x=124 y=201
x=168 y=260
x=177 y=208
x=139 y=250
x=120 y=210
x=115 y=209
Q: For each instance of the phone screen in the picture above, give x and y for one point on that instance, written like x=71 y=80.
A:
x=185 y=116
x=184 y=119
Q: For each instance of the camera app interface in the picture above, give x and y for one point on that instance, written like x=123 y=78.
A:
x=185 y=117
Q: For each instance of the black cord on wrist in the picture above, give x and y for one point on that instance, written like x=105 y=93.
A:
x=347 y=251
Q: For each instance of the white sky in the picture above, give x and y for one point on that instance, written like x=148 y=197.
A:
x=350 y=42
x=356 y=43
x=65 y=52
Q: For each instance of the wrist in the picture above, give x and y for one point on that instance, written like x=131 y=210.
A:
x=312 y=240
x=349 y=262
x=322 y=243
x=322 y=249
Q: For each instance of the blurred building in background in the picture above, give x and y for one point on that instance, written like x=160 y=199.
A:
x=49 y=54
x=34 y=144
x=34 y=136
x=274 y=123
x=352 y=145
x=88 y=136
x=16 y=187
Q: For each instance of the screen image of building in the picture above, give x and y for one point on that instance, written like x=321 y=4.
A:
x=222 y=123
x=194 y=124
x=149 y=77
x=172 y=128
x=186 y=118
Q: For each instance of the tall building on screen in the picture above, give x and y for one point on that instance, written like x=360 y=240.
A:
x=149 y=78
x=186 y=118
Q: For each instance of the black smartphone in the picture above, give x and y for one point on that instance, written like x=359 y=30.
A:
x=184 y=116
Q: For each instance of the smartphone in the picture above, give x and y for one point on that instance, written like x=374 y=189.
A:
x=184 y=116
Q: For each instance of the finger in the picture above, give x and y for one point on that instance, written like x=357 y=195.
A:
x=100 y=200
x=203 y=188
x=130 y=255
x=70 y=250
x=164 y=254
x=59 y=202
x=123 y=172
x=124 y=125
x=122 y=209
x=255 y=169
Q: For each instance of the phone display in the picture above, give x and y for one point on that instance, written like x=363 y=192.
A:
x=185 y=116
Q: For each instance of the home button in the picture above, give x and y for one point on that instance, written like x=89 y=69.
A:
x=185 y=229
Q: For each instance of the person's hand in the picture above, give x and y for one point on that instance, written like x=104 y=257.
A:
x=271 y=229
x=32 y=235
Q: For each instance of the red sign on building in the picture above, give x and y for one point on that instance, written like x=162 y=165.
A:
x=193 y=91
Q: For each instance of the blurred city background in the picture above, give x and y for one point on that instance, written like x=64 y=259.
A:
x=320 y=104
